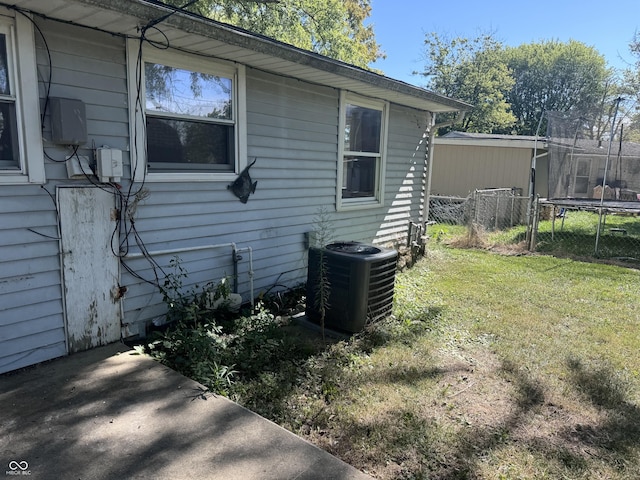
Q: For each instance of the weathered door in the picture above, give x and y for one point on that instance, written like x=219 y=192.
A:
x=90 y=268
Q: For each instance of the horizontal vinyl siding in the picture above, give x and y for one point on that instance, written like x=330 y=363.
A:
x=89 y=66
x=405 y=174
x=388 y=225
x=31 y=321
x=292 y=134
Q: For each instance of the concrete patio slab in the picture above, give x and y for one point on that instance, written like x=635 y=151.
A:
x=110 y=414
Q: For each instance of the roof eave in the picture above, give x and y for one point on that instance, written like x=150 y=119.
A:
x=351 y=77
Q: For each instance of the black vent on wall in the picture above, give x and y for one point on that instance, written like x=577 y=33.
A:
x=361 y=282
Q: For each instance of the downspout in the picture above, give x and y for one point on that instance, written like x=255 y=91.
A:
x=433 y=128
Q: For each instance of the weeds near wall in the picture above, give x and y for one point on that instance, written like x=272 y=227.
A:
x=213 y=346
x=189 y=306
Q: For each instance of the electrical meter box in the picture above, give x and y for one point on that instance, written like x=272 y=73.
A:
x=68 y=121
x=109 y=164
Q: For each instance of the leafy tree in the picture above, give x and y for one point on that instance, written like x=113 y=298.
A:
x=334 y=28
x=511 y=87
x=599 y=121
x=551 y=75
x=471 y=70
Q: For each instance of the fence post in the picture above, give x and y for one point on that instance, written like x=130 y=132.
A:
x=513 y=206
x=534 y=229
x=474 y=209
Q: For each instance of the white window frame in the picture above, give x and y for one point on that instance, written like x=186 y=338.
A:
x=21 y=58
x=139 y=165
x=377 y=200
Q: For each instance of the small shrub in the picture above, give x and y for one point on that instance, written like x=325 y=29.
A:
x=255 y=342
x=194 y=351
x=211 y=346
x=189 y=306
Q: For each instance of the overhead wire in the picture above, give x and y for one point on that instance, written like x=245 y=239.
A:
x=125 y=228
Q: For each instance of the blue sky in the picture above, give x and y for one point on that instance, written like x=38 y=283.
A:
x=400 y=27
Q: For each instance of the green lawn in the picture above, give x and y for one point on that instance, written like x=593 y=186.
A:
x=573 y=235
x=494 y=367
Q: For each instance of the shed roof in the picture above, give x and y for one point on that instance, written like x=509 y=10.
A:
x=193 y=33
x=581 y=146
x=490 y=140
x=596 y=148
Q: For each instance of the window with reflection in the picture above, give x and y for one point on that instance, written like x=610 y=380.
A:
x=9 y=154
x=362 y=149
x=190 y=120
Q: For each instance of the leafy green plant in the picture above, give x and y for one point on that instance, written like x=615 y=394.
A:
x=210 y=346
x=194 y=351
x=190 y=305
x=255 y=342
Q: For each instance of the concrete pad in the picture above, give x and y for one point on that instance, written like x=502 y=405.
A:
x=110 y=414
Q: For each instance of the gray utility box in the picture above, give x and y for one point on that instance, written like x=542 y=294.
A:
x=361 y=281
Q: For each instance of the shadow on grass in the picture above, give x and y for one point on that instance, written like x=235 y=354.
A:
x=420 y=447
x=607 y=390
x=299 y=387
x=611 y=442
x=318 y=369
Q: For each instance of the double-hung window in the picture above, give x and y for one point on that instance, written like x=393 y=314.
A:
x=189 y=115
x=21 y=157
x=362 y=152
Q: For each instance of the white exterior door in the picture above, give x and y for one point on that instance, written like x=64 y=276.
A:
x=90 y=268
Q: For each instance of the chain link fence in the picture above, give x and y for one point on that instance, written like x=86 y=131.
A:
x=489 y=213
x=585 y=229
x=504 y=218
x=593 y=204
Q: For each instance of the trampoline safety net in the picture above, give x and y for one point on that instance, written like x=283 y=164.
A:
x=579 y=164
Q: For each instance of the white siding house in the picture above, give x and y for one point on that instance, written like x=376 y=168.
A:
x=83 y=81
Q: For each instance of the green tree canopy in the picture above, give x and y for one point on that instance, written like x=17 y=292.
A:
x=471 y=70
x=510 y=87
x=551 y=75
x=334 y=28
x=632 y=92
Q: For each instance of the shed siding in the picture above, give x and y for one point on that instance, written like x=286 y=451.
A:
x=459 y=169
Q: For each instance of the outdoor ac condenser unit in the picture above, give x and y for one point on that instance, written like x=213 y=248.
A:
x=361 y=281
